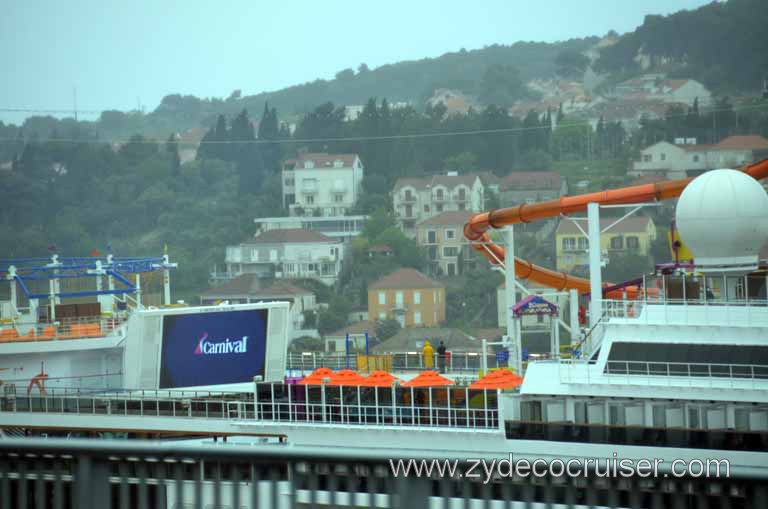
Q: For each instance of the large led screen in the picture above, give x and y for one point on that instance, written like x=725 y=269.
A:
x=213 y=348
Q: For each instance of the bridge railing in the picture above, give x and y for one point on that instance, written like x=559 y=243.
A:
x=106 y=474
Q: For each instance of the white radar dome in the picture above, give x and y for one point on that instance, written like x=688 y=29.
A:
x=722 y=216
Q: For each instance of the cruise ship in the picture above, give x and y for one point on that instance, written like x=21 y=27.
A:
x=672 y=366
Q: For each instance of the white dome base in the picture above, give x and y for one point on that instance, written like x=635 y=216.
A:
x=722 y=216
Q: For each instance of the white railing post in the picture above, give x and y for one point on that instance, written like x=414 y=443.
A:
x=322 y=398
x=448 y=394
x=431 y=421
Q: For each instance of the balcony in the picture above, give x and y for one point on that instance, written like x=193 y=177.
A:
x=308 y=187
x=408 y=198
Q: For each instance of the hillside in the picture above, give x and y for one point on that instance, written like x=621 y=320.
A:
x=406 y=81
x=722 y=45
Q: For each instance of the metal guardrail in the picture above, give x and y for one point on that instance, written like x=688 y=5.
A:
x=63 y=329
x=105 y=474
x=455 y=408
x=454 y=363
x=687 y=369
x=737 y=313
x=666 y=373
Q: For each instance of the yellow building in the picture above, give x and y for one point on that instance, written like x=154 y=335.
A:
x=633 y=235
x=409 y=297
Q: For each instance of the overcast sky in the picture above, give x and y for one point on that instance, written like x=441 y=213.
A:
x=117 y=53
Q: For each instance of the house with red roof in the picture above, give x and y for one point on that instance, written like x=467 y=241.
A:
x=686 y=157
x=321 y=184
x=290 y=253
x=409 y=297
x=521 y=187
x=657 y=87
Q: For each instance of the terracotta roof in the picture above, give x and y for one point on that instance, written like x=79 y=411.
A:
x=380 y=248
x=751 y=142
x=289 y=235
x=412 y=339
x=249 y=285
x=531 y=180
x=696 y=148
x=448 y=218
x=675 y=84
x=404 y=279
x=355 y=328
x=243 y=285
x=449 y=181
x=281 y=289
x=486 y=177
x=489 y=334
x=634 y=224
x=322 y=160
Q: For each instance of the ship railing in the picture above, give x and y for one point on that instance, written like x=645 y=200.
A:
x=708 y=375
x=103 y=474
x=401 y=407
x=452 y=363
x=736 y=313
x=79 y=327
x=11 y=383
x=452 y=407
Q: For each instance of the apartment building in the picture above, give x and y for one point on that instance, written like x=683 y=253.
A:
x=345 y=228
x=409 y=297
x=442 y=236
x=631 y=235
x=320 y=184
x=290 y=254
x=418 y=199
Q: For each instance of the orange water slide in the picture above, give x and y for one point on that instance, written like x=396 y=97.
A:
x=476 y=229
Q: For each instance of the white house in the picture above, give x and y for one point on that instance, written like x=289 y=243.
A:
x=656 y=87
x=319 y=184
x=345 y=228
x=687 y=158
x=291 y=254
x=418 y=199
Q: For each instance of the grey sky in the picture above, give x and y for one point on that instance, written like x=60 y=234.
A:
x=119 y=52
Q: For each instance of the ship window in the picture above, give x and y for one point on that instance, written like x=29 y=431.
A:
x=530 y=411
x=693 y=418
x=746 y=361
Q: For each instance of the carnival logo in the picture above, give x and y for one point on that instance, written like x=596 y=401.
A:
x=205 y=347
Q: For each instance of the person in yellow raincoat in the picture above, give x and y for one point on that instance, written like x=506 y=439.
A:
x=428 y=354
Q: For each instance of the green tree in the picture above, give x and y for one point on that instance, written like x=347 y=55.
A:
x=626 y=267
x=385 y=329
x=502 y=85
x=464 y=162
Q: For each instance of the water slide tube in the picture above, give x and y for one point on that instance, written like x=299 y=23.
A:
x=476 y=229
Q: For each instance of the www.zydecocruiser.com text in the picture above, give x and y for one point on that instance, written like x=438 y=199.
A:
x=489 y=470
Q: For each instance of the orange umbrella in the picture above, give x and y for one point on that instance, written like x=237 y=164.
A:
x=379 y=379
x=428 y=379
x=498 y=379
x=316 y=377
x=346 y=377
